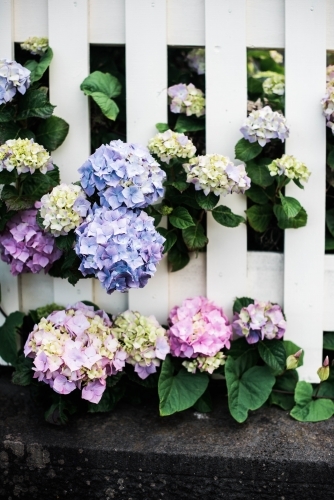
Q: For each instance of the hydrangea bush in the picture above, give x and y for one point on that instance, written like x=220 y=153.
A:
x=328 y=111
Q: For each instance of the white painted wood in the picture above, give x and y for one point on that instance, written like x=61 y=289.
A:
x=330 y=25
x=186 y=22
x=188 y=282
x=107 y=21
x=115 y=303
x=68 y=37
x=146 y=76
x=304 y=248
x=226 y=97
x=37 y=290
x=265 y=24
x=6 y=29
x=10 y=289
x=328 y=324
x=31 y=19
x=265 y=276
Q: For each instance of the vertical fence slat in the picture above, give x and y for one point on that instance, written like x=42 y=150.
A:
x=305 y=36
x=146 y=82
x=68 y=37
x=226 y=95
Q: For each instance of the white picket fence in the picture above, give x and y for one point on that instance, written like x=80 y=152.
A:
x=302 y=279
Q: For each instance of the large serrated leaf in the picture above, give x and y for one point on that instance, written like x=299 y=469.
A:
x=194 y=237
x=34 y=104
x=101 y=82
x=181 y=218
x=291 y=206
x=259 y=217
x=245 y=151
x=52 y=132
x=224 y=216
x=273 y=354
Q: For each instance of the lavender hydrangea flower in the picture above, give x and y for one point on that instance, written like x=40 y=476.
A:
x=24 y=155
x=143 y=339
x=25 y=246
x=186 y=99
x=75 y=348
x=120 y=247
x=199 y=328
x=13 y=78
x=263 y=125
x=259 y=321
x=124 y=174
x=196 y=60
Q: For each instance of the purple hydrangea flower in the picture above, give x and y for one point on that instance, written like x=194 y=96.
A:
x=186 y=99
x=124 y=174
x=25 y=246
x=120 y=247
x=263 y=125
x=259 y=321
x=196 y=60
x=13 y=78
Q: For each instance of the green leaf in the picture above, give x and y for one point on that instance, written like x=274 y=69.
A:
x=181 y=391
x=328 y=341
x=177 y=259
x=108 y=107
x=330 y=159
x=9 y=131
x=239 y=347
x=330 y=220
x=38 y=70
x=109 y=399
x=67 y=242
x=248 y=391
x=103 y=83
x=291 y=348
x=241 y=302
x=204 y=403
x=206 y=202
x=59 y=411
x=34 y=103
x=298 y=183
x=257 y=194
x=89 y=303
x=291 y=206
x=194 y=237
x=37 y=184
x=307 y=409
x=259 y=173
x=300 y=220
x=23 y=374
x=13 y=200
x=52 y=132
x=224 y=216
x=329 y=242
x=259 y=217
x=7 y=113
x=286 y=382
x=170 y=236
x=8 y=345
x=188 y=124
x=245 y=151
x=162 y=127
x=180 y=185
x=273 y=354
x=8 y=177
x=181 y=218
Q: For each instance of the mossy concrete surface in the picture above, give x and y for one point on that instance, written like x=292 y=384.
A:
x=133 y=454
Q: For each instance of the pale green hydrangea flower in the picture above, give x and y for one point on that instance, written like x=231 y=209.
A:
x=289 y=166
x=205 y=363
x=276 y=56
x=186 y=99
x=24 y=155
x=170 y=145
x=274 y=83
x=36 y=45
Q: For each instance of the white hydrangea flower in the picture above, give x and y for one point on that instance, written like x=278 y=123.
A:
x=276 y=56
x=36 y=45
x=24 y=155
x=263 y=125
x=205 y=363
x=170 y=145
x=289 y=166
x=254 y=105
x=186 y=99
x=218 y=174
x=63 y=209
x=196 y=60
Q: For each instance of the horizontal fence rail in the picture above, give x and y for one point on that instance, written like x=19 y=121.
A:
x=301 y=279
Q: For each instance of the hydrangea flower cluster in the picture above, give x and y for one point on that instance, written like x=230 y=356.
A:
x=75 y=348
x=13 y=78
x=199 y=329
x=254 y=105
x=186 y=99
x=36 y=45
x=274 y=83
x=328 y=99
x=217 y=174
x=289 y=166
x=263 y=125
x=124 y=174
x=276 y=56
x=63 y=209
x=25 y=246
x=196 y=60
x=259 y=321
x=170 y=145
x=24 y=155
x=120 y=247
x=143 y=339
x=330 y=73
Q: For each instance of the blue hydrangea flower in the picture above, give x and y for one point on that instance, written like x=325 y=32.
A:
x=13 y=78
x=119 y=247
x=124 y=174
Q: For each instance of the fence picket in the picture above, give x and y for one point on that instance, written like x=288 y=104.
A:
x=305 y=38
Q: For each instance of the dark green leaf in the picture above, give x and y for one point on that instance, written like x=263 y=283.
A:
x=247 y=360
x=8 y=344
x=52 y=132
x=108 y=401
x=14 y=201
x=330 y=159
x=257 y=194
x=259 y=217
x=35 y=103
x=108 y=107
x=37 y=71
x=206 y=202
x=38 y=184
x=204 y=403
x=291 y=206
x=294 y=222
x=328 y=341
x=284 y=384
x=188 y=124
x=298 y=183
x=259 y=173
x=239 y=347
x=9 y=131
x=307 y=409
x=273 y=354
x=241 y=302
x=8 y=177
x=329 y=242
x=181 y=391
x=7 y=113
x=224 y=216
x=103 y=83
x=291 y=348
x=59 y=411
x=23 y=371
x=194 y=237
x=177 y=259
x=181 y=218
x=180 y=185
x=245 y=151
x=170 y=238
x=162 y=127
x=89 y=303
x=67 y=242
x=330 y=220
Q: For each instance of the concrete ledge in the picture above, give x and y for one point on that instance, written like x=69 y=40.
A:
x=133 y=454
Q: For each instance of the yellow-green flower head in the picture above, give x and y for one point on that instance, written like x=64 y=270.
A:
x=216 y=173
x=143 y=339
x=36 y=45
x=276 y=56
x=170 y=145
x=289 y=166
x=24 y=155
x=205 y=363
x=323 y=372
x=274 y=83
x=63 y=209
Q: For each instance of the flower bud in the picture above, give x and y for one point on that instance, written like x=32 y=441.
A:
x=293 y=360
x=323 y=372
x=165 y=210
